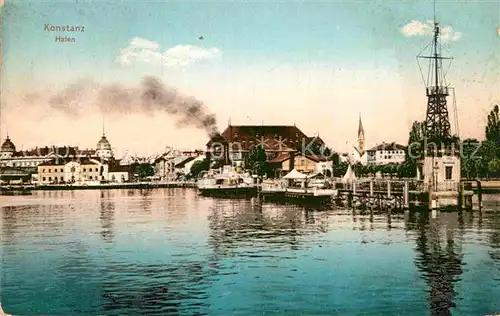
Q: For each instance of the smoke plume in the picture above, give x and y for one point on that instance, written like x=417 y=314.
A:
x=149 y=97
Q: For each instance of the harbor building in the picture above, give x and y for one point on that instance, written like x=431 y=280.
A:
x=237 y=141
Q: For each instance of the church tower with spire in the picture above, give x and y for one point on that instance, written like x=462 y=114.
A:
x=361 y=138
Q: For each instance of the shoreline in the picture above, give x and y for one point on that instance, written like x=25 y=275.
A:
x=132 y=185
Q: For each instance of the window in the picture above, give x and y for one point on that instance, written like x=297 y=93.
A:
x=62 y=170
x=50 y=178
x=90 y=177
x=84 y=169
x=448 y=172
x=43 y=178
x=43 y=170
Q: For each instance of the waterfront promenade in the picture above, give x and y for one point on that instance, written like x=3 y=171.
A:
x=101 y=186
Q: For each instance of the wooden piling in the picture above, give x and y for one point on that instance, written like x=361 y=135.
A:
x=479 y=194
x=406 y=195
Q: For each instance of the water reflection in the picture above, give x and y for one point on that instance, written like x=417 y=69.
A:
x=439 y=258
x=240 y=223
x=107 y=215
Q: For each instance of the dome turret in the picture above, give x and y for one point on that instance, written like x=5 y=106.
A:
x=103 y=149
x=8 y=146
x=103 y=144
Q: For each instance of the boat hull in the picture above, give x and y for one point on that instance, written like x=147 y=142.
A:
x=228 y=191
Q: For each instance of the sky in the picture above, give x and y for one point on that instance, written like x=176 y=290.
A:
x=316 y=64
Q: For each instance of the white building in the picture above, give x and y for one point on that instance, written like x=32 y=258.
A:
x=10 y=157
x=83 y=170
x=386 y=153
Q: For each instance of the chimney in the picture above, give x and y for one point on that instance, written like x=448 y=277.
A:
x=226 y=153
x=292 y=160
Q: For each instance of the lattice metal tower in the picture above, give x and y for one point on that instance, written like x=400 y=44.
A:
x=437 y=123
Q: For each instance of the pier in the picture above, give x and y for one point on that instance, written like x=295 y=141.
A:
x=404 y=194
x=376 y=194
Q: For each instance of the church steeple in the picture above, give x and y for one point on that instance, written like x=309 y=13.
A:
x=361 y=137
x=361 y=131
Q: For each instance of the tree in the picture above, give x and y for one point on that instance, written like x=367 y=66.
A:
x=481 y=168
x=340 y=169
x=197 y=167
x=494 y=166
x=257 y=162
x=468 y=167
x=416 y=142
x=492 y=130
x=470 y=152
x=144 y=170
x=415 y=151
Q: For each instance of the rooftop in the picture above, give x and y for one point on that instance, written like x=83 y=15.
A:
x=270 y=137
x=388 y=146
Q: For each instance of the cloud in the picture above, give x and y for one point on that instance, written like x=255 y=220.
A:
x=146 y=51
x=417 y=28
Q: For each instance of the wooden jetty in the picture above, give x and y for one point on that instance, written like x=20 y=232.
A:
x=403 y=194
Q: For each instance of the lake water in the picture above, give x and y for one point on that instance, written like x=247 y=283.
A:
x=171 y=252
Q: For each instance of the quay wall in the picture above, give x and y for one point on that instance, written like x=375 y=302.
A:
x=134 y=185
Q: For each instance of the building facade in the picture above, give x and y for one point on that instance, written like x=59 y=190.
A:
x=10 y=157
x=237 y=141
x=386 y=153
x=175 y=164
x=60 y=171
x=307 y=164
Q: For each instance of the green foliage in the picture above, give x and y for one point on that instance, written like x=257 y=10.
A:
x=416 y=140
x=494 y=166
x=481 y=167
x=197 y=167
x=404 y=170
x=492 y=130
x=144 y=170
x=257 y=162
x=340 y=169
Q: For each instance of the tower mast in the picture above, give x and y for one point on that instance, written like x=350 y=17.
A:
x=437 y=123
